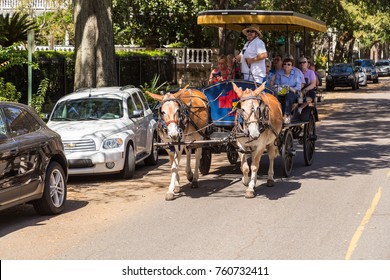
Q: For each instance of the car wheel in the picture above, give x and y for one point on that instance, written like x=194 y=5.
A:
x=129 y=168
x=54 y=193
x=152 y=159
x=375 y=81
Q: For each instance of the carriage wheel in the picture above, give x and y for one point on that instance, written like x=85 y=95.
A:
x=288 y=153
x=309 y=139
x=232 y=156
x=205 y=161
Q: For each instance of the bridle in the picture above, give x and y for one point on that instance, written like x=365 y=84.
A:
x=182 y=115
x=184 y=118
x=261 y=117
x=260 y=113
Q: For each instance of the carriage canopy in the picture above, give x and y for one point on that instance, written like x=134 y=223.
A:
x=268 y=20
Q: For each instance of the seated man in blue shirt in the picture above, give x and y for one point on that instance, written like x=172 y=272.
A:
x=291 y=79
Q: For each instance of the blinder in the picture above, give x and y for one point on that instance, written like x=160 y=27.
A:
x=261 y=114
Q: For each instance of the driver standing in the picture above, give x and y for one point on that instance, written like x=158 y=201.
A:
x=253 y=55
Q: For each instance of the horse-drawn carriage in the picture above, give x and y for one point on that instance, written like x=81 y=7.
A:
x=242 y=118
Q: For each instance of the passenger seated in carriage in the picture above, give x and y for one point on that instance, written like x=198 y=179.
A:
x=221 y=73
x=289 y=84
x=309 y=88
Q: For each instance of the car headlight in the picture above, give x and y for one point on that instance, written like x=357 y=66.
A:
x=112 y=143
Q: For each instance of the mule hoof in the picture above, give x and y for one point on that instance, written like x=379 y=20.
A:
x=194 y=184
x=169 y=196
x=177 y=189
x=245 y=182
x=270 y=183
x=190 y=177
x=249 y=194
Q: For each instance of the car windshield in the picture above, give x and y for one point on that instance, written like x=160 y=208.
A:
x=88 y=109
x=341 y=69
x=364 y=63
x=382 y=63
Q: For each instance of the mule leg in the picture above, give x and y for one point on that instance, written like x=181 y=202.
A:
x=189 y=174
x=174 y=158
x=250 y=191
x=198 y=154
x=244 y=168
x=272 y=154
x=177 y=176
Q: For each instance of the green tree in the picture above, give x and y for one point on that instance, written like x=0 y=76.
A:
x=13 y=29
x=55 y=28
x=157 y=23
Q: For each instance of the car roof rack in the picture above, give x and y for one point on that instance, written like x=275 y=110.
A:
x=81 y=89
x=126 y=87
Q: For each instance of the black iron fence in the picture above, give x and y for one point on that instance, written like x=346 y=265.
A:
x=59 y=69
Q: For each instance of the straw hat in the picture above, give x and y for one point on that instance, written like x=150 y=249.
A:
x=254 y=27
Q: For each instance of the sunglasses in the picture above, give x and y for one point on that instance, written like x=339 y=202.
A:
x=251 y=31
x=287 y=64
x=302 y=62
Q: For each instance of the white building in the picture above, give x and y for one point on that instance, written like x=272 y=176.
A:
x=34 y=6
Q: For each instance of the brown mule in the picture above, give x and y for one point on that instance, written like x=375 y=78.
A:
x=262 y=122
x=183 y=116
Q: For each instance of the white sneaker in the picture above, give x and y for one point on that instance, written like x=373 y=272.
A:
x=286 y=119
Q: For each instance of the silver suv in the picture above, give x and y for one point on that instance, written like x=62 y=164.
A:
x=368 y=68
x=106 y=130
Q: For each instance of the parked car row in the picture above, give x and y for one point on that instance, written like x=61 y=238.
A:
x=354 y=74
x=91 y=131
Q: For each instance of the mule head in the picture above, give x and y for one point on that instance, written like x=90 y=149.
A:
x=251 y=110
x=169 y=113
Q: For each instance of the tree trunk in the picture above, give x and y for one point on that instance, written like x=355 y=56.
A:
x=95 y=64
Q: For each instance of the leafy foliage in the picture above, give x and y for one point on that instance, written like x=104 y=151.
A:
x=56 y=27
x=13 y=29
x=157 y=23
x=8 y=91
x=38 y=99
x=154 y=88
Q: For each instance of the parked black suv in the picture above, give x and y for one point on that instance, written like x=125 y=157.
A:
x=33 y=167
x=342 y=75
x=368 y=68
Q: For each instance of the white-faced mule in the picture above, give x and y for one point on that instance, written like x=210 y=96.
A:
x=183 y=117
x=258 y=123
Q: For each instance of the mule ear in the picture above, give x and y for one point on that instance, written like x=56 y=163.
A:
x=260 y=89
x=180 y=92
x=237 y=90
x=185 y=88
x=157 y=97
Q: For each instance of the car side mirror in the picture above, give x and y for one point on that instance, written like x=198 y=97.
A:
x=137 y=114
x=45 y=117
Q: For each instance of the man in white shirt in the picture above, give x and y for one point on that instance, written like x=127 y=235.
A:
x=253 y=55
